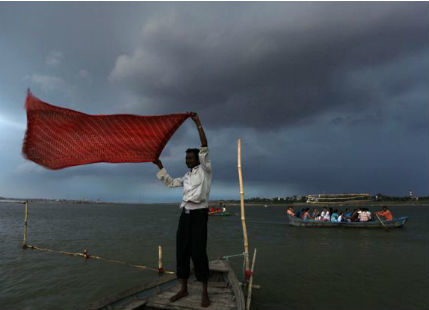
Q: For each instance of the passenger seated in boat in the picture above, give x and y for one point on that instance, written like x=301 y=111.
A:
x=347 y=215
x=324 y=215
x=306 y=214
x=368 y=213
x=385 y=213
x=299 y=213
x=321 y=215
x=315 y=214
x=355 y=216
x=334 y=216
x=328 y=214
x=290 y=211
x=364 y=216
x=340 y=217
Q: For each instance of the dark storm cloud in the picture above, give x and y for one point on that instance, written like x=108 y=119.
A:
x=260 y=65
x=327 y=97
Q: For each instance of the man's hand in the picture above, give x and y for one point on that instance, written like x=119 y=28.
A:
x=195 y=118
x=197 y=121
x=158 y=163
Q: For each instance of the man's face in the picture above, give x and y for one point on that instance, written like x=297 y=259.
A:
x=191 y=160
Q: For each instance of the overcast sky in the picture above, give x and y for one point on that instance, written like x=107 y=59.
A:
x=327 y=97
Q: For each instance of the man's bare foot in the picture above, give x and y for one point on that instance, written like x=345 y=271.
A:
x=180 y=294
x=205 y=301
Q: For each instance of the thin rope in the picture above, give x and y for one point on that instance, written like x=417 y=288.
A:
x=12 y=201
x=244 y=254
x=227 y=257
x=85 y=255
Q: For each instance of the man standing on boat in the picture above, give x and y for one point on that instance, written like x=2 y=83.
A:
x=191 y=239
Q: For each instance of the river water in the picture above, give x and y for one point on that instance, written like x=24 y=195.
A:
x=297 y=268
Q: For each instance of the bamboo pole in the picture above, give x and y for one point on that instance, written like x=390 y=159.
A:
x=24 y=243
x=250 y=286
x=379 y=219
x=243 y=216
x=160 y=267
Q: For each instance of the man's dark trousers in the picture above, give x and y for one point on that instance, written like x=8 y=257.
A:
x=191 y=242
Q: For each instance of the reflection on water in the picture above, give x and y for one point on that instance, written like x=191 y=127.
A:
x=297 y=268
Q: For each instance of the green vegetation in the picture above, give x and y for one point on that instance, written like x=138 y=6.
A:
x=301 y=199
x=382 y=197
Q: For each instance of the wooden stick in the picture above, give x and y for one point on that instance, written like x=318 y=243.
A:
x=160 y=267
x=256 y=286
x=249 y=291
x=24 y=243
x=243 y=216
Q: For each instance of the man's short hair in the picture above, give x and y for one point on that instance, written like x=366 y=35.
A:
x=196 y=152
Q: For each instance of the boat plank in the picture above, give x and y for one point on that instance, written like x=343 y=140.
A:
x=191 y=305
x=216 y=284
x=219 y=266
x=130 y=292
x=134 y=305
x=236 y=289
x=214 y=290
x=223 y=288
x=165 y=296
x=192 y=301
x=197 y=306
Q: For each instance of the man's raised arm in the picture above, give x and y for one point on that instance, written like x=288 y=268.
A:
x=197 y=121
x=165 y=177
x=204 y=151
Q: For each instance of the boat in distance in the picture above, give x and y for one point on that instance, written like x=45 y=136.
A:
x=219 y=212
x=395 y=223
x=224 y=290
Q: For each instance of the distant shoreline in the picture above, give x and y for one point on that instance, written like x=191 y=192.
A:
x=423 y=203
x=217 y=203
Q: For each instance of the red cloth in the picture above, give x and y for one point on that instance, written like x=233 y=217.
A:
x=57 y=137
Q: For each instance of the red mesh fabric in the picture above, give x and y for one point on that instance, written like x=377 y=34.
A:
x=57 y=137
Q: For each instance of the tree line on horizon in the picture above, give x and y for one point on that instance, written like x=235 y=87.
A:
x=299 y=198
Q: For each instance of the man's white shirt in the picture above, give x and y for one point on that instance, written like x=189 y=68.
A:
x=196 y=183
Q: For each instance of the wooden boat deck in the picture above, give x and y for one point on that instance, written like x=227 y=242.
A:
x=224 y=291
x=221 y=297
